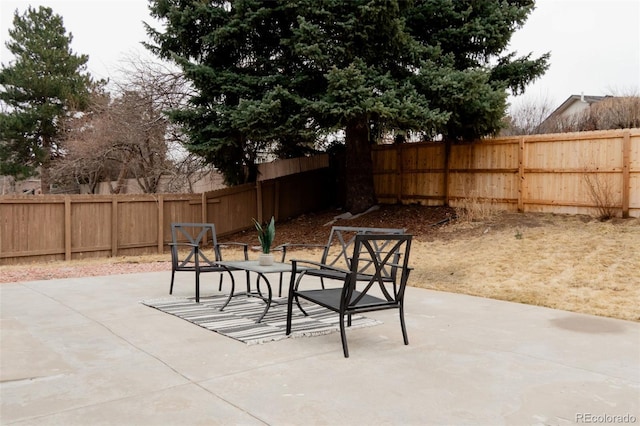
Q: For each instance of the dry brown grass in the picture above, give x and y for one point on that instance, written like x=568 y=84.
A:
x=573 y=263
x=474 y=209
x=564 y=263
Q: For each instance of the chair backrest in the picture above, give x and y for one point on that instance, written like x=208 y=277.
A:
x=376 y=257
x=193 y=235
x=339 y=248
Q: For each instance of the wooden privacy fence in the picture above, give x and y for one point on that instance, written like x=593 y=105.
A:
x=539 y=173
x=547 y=173
x=66 y=227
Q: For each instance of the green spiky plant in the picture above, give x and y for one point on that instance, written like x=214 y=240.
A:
x=266 y=234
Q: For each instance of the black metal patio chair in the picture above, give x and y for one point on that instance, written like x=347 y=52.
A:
x=188 y=254
x=336 y=251
x=376 y=280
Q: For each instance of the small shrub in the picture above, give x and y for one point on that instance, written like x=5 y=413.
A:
x=602 y=195
x=475 y=209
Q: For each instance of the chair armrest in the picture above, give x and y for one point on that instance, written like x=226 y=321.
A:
x=245 y=247
x=232 y=243
x=320 y=265
x=182 y=244
x=285 y=246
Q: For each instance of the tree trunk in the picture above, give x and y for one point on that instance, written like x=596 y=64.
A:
x=45 y=172
x=359 y=179
x=45 y=178
x=122 y=177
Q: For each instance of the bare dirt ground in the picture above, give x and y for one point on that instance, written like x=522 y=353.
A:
x=573 y=263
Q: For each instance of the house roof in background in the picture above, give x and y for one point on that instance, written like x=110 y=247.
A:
x=576 y=98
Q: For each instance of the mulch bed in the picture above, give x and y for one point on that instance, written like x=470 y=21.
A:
x=313 y=228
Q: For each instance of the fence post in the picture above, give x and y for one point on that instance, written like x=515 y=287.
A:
x=203 y=209
x=160 y=223
x=114 y=225
x=626 y=172
x=399 y=173
x=447 y=167
x=259 y=200
x=67 y=227
x=521 y=177
x=276 y=200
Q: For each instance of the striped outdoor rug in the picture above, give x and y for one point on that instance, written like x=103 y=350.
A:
x=238 y=318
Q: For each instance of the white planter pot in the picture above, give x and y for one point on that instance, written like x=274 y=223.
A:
x=265 y=259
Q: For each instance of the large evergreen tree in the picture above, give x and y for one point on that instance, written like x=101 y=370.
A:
x=235 y=56
x=277 y=73
x=42 y=86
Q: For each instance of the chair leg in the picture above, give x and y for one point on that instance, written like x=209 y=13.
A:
x=289 y=313
x=290 y=302
x=197 y=287
x=402 y=324
x=343 y=335
x=173 y=275
x=233 y=287
x=220 y=284
x=300 y=307
x=248 y=282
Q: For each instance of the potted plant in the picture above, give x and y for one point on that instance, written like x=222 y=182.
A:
x=266 y=235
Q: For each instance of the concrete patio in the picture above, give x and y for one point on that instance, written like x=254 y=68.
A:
x=84 y=351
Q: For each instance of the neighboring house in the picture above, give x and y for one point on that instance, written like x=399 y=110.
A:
x=570 y=113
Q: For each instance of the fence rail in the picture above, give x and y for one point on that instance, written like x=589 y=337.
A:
x=542 y=173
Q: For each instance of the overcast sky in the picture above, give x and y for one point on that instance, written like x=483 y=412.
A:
x=594 y=44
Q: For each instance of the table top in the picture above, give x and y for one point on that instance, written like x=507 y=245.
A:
x=254 y=266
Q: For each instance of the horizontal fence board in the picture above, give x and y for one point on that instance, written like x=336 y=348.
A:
x=32 y=253
x=423 y=183
x=484 y=156
x=587 y=154
x=385 y=184
x=285 y=167
x=484 y=185
x=572 y=188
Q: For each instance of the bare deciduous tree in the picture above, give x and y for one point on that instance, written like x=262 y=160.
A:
x=121 y=138
x=165 y=88
x=616 y=113
x=526 y=116
x=128 y=136
x=85 y=161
